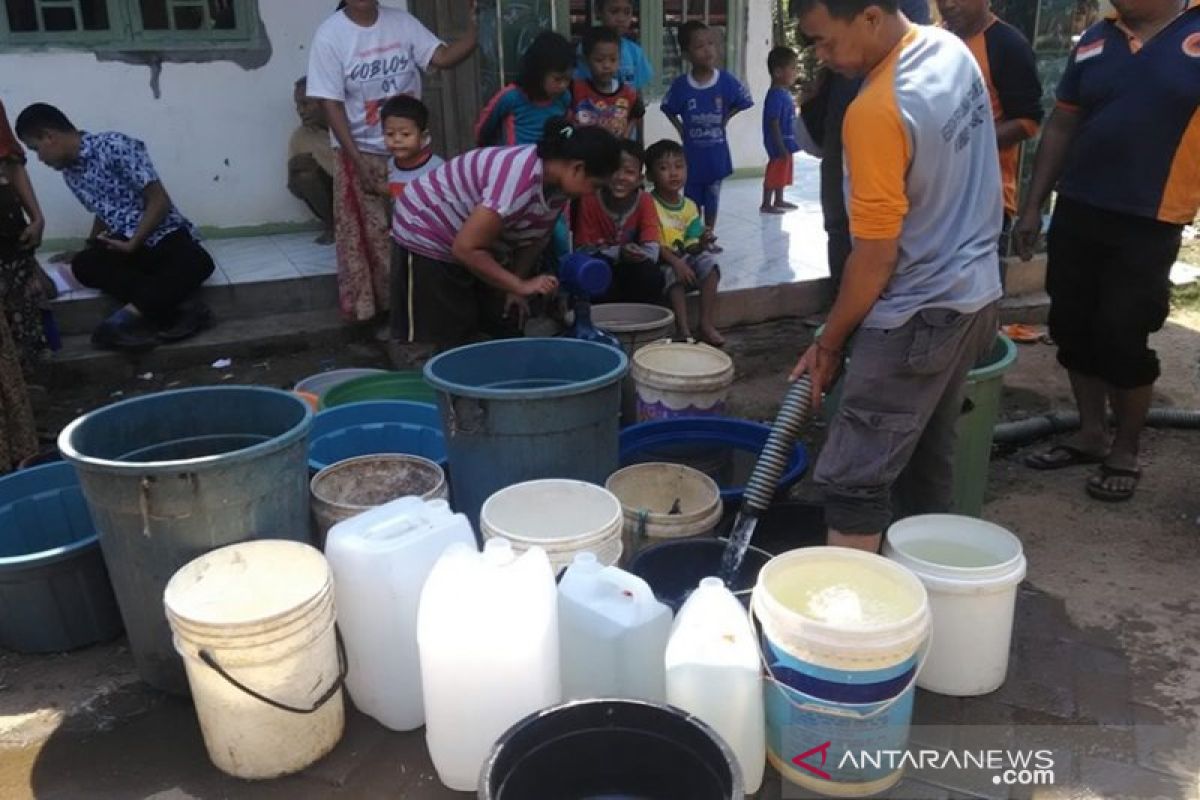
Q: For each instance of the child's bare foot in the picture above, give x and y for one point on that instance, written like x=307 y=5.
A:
x=786 y=206
x=710 y=335
x=770 y=210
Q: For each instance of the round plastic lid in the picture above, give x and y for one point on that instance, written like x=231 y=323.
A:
x=247 y=583
x=686 y=360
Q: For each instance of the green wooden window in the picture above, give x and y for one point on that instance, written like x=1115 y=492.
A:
x=128 y=24
x=656 y=25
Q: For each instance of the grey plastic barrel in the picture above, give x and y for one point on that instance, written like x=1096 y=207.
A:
x=170 y=476
x=519 y=410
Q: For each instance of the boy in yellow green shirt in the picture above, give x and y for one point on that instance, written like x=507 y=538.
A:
x=684 y=256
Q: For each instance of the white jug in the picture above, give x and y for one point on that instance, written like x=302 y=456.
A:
x=380 y=560
x=487 y=631
x=613 y=633
x=714 y=672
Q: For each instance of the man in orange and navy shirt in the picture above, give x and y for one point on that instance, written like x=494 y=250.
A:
x=1010 y=73
x=1123 y=150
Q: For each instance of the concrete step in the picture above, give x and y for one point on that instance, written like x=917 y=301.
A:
x=238 y=339
x=79 y=315
x=1024 y=277
x=256 y=320
x=1025 y=309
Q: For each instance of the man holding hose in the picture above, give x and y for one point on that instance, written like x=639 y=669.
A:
x=918 y=298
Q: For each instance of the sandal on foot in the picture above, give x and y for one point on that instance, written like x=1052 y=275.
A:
x=1061 y=456
x=1097 y=490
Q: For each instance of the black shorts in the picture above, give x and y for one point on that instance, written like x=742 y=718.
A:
x=441 y=303
x=1108 y=280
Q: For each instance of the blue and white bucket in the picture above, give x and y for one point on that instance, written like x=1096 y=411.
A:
x=844 y=633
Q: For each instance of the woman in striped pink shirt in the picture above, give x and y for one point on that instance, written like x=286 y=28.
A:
x=460 y=221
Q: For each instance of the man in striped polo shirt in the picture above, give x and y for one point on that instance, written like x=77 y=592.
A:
x=922 y=280
x=1123 y=150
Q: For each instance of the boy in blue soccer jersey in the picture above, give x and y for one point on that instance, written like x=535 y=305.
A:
x=700 y=104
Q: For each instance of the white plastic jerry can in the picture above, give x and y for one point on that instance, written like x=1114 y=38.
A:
x=714 y=672
x=613 y=633
x=380 y=560
x=487 y=631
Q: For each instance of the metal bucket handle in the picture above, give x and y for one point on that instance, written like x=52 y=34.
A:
x=639 y=534
x=823 y=708
x=343 y=668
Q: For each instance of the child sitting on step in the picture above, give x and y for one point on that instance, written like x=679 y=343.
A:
x=620 y=224
x=686 y=262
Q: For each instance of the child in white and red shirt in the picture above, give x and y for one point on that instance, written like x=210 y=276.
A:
x=459 y=220
x=405 y=122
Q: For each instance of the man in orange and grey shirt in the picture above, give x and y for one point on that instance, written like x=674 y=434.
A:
x=920 y=287
x=1010 y=74
x=1122 y=149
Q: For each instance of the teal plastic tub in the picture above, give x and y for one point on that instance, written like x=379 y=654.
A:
x=525 y=409
x=171 y=476
x=54 y=589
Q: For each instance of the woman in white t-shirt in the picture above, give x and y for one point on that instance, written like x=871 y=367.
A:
x=361 y=56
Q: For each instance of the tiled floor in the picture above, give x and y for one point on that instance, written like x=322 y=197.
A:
x=244 y=260
x=768 y=250
x=760 y=249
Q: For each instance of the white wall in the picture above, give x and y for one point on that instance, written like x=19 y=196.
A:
x=745 y=131
x=218 y=134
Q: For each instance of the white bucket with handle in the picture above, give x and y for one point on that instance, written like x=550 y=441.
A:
x=254 y=624
x=844 y=633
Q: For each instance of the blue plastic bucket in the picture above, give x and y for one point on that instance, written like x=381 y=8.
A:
x=843 y=636
x=723 y=448
x=373 y=428
x=54 y=588
x=519 y=410
x=173 y=475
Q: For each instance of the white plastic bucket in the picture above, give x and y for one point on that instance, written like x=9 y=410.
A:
x=971 y=569
x=675 y=379
x=842 y=636
x=254 y=623
x=635 y=325
x=562 y=517
x=662 y=502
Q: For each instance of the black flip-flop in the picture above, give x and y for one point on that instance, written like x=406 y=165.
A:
x=1075 y=457
x=1095 y=485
